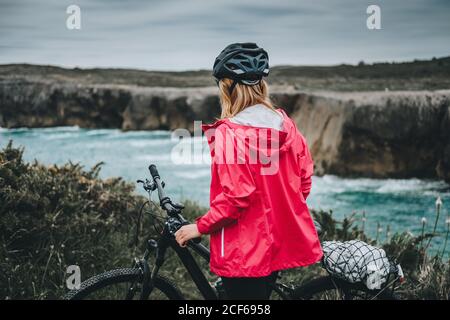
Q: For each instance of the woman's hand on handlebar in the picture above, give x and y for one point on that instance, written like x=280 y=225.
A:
x=186 y=233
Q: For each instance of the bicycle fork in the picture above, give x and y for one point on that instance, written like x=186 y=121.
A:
x=147 y=275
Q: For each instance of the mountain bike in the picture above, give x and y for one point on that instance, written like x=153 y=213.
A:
x=143 y=282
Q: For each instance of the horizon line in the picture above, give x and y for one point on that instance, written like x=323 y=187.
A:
x=74 y=67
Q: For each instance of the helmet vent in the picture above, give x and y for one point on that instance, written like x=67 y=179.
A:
x=243 y=62
x=231 y=66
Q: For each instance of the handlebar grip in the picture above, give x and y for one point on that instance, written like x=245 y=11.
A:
x=153 y=171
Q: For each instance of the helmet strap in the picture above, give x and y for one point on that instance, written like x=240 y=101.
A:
x=235 y=82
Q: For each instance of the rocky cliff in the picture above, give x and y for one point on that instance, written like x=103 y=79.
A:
x=378 y=134
x=25 y=103
x=373 y=134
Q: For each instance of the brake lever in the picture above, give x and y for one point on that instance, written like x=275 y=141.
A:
x=178 y=206
x=147 y=185
x=171 y=209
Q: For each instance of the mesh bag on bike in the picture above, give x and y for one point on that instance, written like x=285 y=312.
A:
x=356 y=261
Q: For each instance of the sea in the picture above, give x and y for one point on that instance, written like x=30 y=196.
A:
x=383 y=206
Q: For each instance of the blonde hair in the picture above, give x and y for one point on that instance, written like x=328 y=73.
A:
x=242 y=96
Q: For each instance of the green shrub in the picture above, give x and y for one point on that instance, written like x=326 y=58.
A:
x=52 y=217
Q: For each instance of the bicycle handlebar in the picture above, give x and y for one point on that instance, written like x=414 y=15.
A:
x=173 y=210
x=164 y=201
x=153 y=171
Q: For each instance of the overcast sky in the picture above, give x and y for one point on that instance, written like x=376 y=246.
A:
x=188 y=34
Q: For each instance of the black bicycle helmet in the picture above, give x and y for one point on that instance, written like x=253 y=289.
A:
x=244 y=63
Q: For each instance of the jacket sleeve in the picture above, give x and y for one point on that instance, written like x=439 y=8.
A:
x=306 y=169
x=237 y=185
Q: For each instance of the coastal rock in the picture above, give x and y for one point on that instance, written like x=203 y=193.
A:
x=377 y=134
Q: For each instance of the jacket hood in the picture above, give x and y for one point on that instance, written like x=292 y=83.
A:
x=271 y=141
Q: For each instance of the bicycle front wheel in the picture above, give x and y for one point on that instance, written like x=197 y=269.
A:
x=123 y=284
x=328 y=288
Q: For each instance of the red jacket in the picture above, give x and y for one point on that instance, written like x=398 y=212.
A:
x=258 y=219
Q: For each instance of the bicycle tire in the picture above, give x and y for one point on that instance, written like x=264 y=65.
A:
x=118 y=276
x=323 y=284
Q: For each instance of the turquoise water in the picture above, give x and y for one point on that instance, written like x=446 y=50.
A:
x=399 y=203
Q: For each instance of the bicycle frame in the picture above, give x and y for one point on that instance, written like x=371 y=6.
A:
x=194 y=270
x=165 y=242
